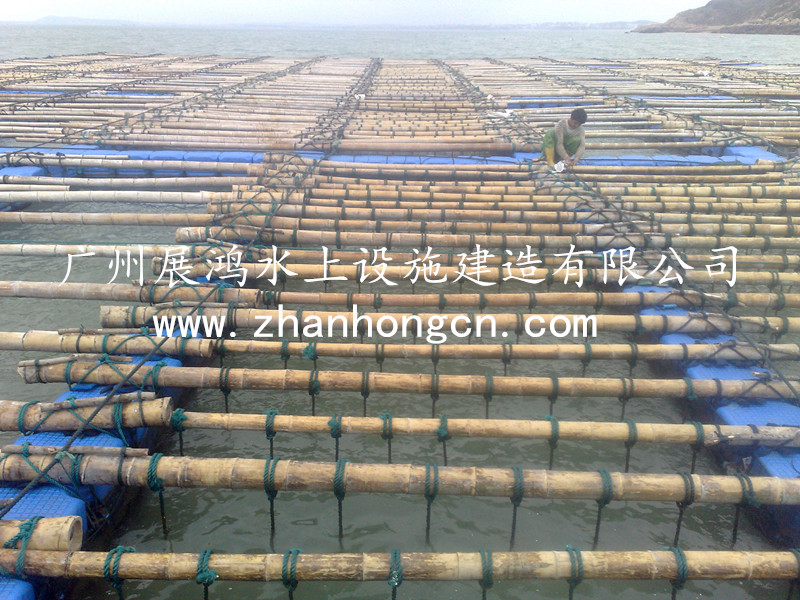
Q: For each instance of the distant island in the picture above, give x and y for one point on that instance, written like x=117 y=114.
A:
x=734 y=16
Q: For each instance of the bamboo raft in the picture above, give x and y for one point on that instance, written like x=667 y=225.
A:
x=357 y=193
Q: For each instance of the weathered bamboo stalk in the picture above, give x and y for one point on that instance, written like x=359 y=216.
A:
x=462 y=566
x=354 y=321
x=150 y=294
x=49 y=534
x=36 y=417
x=333 y=238
x=31 y=450
x=53 y=341
x=605 y=431
x=413 y=383
x=291 y=475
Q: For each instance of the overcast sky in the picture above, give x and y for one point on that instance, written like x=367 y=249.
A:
x=351 y=12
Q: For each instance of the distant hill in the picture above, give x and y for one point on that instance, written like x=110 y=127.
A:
x=735 y=16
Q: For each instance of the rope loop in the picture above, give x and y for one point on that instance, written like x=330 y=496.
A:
x=576 y=568
x=155 y=483
x=269 y=478
x=23 y=536
x=177 y=419
x=313 y=383
x=395 y=570
x=554 y=432
x=633 y=434
x=431 y=482
x=310 y=351
x=682 y=569
x=518 y=492
x=269 y=424
x=689 y=490
x=442 y=434
x=487 y=575
x=386 y=429
x=111 y=568
x=205 y=575
x=339 y=487
x=690 y=393
x=335 y=424
x=748 y=494
x=289 y=568
x=700 y=440
x=608 y=488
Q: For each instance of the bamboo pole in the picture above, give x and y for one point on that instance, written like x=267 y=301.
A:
x=292 y=475
x=713 y=436
x=409 y=383
x=461 y=566
x=125 y=219
x=355 y=321
x=151 y=294
x=624 y=239
x=36 y=416
x=49 y=534
x=53 y=341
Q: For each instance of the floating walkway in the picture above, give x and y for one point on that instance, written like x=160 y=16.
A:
x=380 y=255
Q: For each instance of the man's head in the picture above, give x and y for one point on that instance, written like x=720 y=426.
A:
x=577 y=118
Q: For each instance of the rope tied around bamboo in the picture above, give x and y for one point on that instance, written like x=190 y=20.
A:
x=23 y=538
x=316 y=381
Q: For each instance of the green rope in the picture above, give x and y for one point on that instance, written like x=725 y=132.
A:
x=285 y=355
x=431 y=489
x=633 y=437
x=517 y=494
x=682 y=568
x=152 y=374
x=156 y=484
x=205 y=575
x=690 y=394
x=395 y=572
x=288 y=570
x=176 y=422
x=271 y=491
x=76 y=483
x=386 y=432
x=488 y=392
x=442 y=434
x=605 y=499
x=553 y=441
x=339 y=489
x=576 y=569
x=699 y=442
x=554 y=392
x=269 y=429
x=21 y=418
x=365 y=389
x=116 y=417
x=310 y=352
x=487 y=576
x=111 y=568
x=335 y=424
x=748 y=501
x=23 y=536
x=224 y=375
x=313 y=389
x=689 y=493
